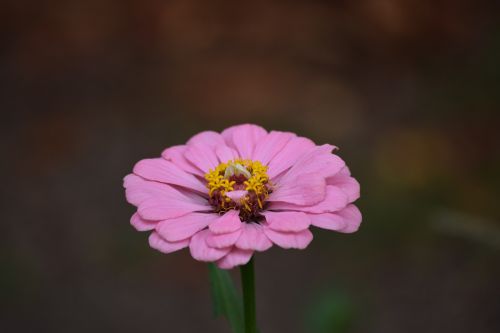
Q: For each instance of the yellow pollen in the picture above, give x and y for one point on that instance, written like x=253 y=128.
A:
x=251 y=175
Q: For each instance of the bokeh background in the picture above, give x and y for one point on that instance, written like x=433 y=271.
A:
x=408 y=89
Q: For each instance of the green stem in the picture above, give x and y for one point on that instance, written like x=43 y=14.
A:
x=248 y=285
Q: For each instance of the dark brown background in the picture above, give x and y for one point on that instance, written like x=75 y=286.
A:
x=409 y=90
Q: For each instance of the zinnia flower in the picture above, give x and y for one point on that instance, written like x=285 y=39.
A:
x=227 y=195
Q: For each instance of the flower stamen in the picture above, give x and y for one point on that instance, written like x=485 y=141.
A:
x=250 y=183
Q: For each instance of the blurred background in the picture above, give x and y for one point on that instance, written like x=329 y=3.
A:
x=408 y=89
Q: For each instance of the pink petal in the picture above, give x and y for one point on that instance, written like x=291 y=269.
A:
x=290 y=240
x=210 y=138
x=223 y=240
x=307 y=189
x=196 y=197
x=271 y=144
x=352 y=217
x=185 y=226
x=335 y=199
x=287 y=221
x=133 y=181
x=202 y=252
x=235 y=258
x=161 y=209
x=347 y=184
x=286 y=158
x=329 y=221
x=226 y=223
x=158 y=201
x=227 y=133
x=161 y=170
x=203 y=157
x=176 y=155
x=243 y=138
x=344 y=171
x=162 y=245
x=141 y=224
x=225 y=154
x=138 y=189
x=346 y=221
x=319 y=161
x=253 y=238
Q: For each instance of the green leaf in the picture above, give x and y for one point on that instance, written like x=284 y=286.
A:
x=331 y=311
x=225 y=298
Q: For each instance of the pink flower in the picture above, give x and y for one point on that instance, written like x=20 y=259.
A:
x=227 y=195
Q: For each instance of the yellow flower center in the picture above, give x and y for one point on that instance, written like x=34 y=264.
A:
x=247 y=177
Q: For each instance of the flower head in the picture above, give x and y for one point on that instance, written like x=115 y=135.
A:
x=228 y=195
